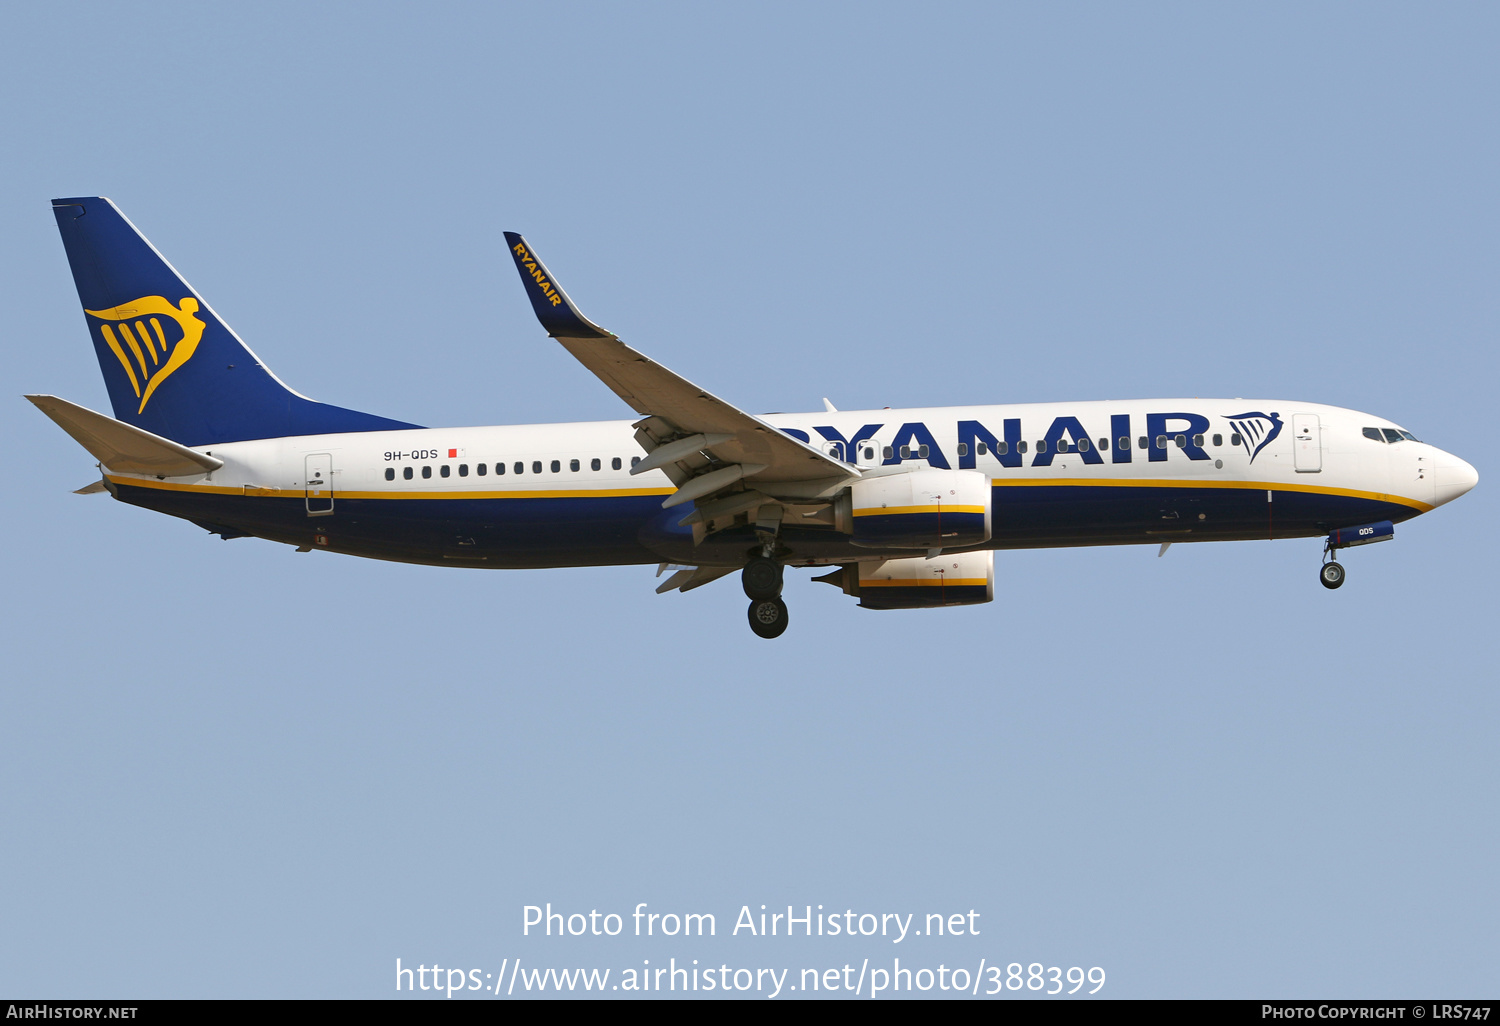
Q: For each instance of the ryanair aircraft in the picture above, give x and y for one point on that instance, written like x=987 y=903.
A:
x=904 y=508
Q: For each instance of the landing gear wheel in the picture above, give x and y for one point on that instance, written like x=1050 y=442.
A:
x=761 y=579
x=1332 y=575
x=768 y=617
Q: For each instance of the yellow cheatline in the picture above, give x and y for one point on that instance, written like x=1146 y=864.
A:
x=934 y=582
x=1181 y=483
x=297 y=493
x=892 y=511
x=114 y=344
x=140 y=357
x=618 y=492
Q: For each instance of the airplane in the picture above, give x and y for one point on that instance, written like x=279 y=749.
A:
x=903 y=508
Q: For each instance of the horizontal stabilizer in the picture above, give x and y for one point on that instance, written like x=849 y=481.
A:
x=121 y=447
x=91 y=489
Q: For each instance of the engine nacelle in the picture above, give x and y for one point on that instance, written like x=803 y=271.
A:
x=923 y=509
x=917 y=582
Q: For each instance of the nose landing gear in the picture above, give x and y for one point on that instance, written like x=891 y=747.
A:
x=1331 y=575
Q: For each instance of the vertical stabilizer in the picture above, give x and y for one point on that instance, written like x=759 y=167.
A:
x=172 y=367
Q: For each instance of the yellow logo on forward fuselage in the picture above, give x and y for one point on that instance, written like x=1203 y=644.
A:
x=534 y=269
x=155 y=356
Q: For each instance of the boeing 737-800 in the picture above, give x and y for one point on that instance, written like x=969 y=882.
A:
x=905 y=508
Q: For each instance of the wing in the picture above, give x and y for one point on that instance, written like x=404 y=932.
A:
x=704 y=444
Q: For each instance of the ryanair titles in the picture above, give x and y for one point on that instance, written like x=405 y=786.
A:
x=529 y=265
x=1190 y=433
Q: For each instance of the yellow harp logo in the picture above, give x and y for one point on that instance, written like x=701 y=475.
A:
x=156 y=357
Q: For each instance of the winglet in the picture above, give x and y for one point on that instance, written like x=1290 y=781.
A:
x=553 y=308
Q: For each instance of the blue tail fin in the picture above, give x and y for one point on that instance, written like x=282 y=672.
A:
x=171 y=365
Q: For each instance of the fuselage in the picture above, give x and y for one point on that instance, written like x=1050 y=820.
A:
x=1062 y=474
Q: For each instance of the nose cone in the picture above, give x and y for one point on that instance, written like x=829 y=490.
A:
x=1454 y=477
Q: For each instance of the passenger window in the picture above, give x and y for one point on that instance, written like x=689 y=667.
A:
x=1161 y=441
x=1084 y=445
x=463 y=469
x=1392 y=435
x=614 y=464
x=1062 y=445
x=1104 y=445
x=963 y=448
x=557 y=466
x=519 y=468
x=1021 y=446
x=634 y=460
x=406 y=473
x=922 y=453
x=1218 y=441
x=886 y=453
x=594 y=464
x=1143 y=442
x=869 y=453
x=1198 y=440
x=1181 y=441
x=1001 y=448
x=906 y=452
x=536 y=466
x=483 y=468
x=443 y=470
x=981 y=448
x=1235 y=438
x=1374 y=435
x=390 y=473
x=1123 y=442
x=1041 y=445
x=426 y=472
x=573 y=465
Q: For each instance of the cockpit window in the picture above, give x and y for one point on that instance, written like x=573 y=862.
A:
x=1392 y=435
x=1409 y=436
x=1374 y=435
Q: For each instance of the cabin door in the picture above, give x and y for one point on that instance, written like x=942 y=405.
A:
x=318 y=487
x=1307 y=442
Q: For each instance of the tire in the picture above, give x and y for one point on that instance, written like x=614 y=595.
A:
x=1331 y=576
x=768 y=617
x=761 y=579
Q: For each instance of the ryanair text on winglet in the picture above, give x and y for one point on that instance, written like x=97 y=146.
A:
x=535 y=270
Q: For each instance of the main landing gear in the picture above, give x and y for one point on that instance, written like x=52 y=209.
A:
x=761 y=580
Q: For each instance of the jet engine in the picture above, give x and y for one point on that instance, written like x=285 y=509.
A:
x=917 y=582
x=923 y=509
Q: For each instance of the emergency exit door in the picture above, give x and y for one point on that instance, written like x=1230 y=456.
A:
x=1307 y=443
x=318 y=486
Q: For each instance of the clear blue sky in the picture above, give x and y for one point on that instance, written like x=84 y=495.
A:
x=233 y=770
